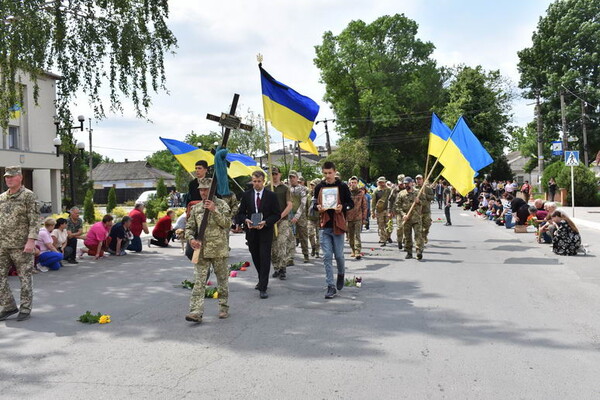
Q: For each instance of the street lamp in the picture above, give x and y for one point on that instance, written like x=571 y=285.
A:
x=67 y=135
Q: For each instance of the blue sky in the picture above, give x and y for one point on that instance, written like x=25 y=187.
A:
x=218 y=43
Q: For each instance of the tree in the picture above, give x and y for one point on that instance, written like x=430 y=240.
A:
x=91 y=44
x=382 y=85
x=88 y=207
x=349 y=156
x=112 y=200
x=586 y=185
x=565 y=57
x=161 y=189
x=501 y=171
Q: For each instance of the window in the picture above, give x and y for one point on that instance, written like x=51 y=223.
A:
x=13 y=137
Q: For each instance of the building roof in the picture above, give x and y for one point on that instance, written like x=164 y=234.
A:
x=129 y=171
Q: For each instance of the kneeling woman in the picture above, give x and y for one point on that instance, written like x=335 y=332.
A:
x=49 y=257
x=566 y=240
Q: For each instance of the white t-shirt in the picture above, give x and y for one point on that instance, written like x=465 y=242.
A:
x=61 y=237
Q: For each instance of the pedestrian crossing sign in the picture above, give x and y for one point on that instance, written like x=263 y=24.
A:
x=571 y=158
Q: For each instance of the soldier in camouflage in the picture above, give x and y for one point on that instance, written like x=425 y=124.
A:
x=214 y=250
x=425 y=207
x=313 y=220
x=393 y=196
x=19 y=220
x=413 y=224
x=379 y=208
x=299 y=196
x=280 y=250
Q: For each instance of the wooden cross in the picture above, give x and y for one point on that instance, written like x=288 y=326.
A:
x=229 y=121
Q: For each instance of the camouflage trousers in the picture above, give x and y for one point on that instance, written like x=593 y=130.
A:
x=280 y=251
x=354 y=229
x=201 y=271
x=302 y=234
x=23 y=262
x=399 y=229
x=382 y=221
x=411 y=226
x=313 y=235
x=426 y=224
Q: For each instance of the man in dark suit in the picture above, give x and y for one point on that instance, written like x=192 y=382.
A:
x=259 y=236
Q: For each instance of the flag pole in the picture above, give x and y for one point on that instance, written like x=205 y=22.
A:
x=259 y=58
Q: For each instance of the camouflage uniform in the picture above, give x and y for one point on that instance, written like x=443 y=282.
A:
x=379 y=205
x=214 y=251
x=19 y=219
x=313 y=226
x=426 y=210
x=391 y=206
x=299 y=195
x=280 y=251
x=403 y=203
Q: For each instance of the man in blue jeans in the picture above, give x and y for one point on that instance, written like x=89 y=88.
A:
x=333 y=226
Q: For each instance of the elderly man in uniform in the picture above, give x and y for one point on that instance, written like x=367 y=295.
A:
x=313 y=220
x=413 y=224
x=426 y=206
x=299 y=194
x=280 y=249
x=214 y=250
x=379 y=208
x=19 y=219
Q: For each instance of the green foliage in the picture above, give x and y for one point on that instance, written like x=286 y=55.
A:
x=88 y=207
x=380 y=82
x=552 y=171
x=154 y=205
x=112 y=200
x=119 y=212
x=89 y=318
x=93 y=45
x=586 y=185
x=349 y=157
x=161 y=189
x=249 y=143
x=500 y=170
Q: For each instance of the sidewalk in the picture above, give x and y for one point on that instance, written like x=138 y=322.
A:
x=588 y=217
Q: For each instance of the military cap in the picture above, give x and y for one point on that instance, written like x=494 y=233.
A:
x=12 y=171
x=419 y=176
x=353 y=178
x=400 y=177
x=381 y=179
x=204 y=183
x=315 y=181
x=293 y=173
x=275 y=170
x=408 y=179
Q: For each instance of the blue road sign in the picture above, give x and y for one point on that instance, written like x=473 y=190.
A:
x=557 y=148
x=571 y=158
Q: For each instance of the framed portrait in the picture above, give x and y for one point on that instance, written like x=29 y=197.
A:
x=329 y=197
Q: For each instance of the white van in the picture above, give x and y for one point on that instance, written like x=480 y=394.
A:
x=145 y=196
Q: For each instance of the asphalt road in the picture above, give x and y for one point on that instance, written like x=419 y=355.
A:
x=488 y=314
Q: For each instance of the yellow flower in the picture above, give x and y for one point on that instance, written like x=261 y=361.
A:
x=216 y=295
x=104 y=319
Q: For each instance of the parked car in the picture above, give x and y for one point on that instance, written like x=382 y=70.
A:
x=145 y=196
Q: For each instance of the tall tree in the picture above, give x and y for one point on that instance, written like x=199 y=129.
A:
x=382 y=85
x=565 y=57
x=90 y=44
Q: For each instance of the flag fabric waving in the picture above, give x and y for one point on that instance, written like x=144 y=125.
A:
x=241 y=165
x=15 y=111
x=289 y=112
x=309 y=145
x=188 y=155
x=462 y=157
x=438 y=135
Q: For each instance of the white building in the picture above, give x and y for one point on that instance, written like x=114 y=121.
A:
x=29 y=142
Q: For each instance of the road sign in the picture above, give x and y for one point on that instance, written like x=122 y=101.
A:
x=571 y=158
x=557 y=148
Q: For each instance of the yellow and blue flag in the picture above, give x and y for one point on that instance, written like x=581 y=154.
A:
x=289 y=112
x=15 y=111
x=463 y=157
x=241 y=165
x=438 y=135
x=309 y=145
x=188 y=155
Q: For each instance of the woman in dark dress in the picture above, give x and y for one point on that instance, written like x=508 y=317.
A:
x=551 y=189
x=566 y=240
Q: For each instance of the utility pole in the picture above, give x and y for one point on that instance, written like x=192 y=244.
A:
x=584 y=131
x=91 y=158
x=564 y=119
x=540 y=148
x=328 y=143
x=299 y=155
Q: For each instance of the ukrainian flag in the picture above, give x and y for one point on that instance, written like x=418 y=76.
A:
x=438 y=135
x=309 y=145
x=289 y=112
x=462 y=157
x=241 y=165
x=188 y=155
x=15 y=111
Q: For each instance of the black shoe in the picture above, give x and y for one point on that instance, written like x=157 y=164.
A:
x=331 y=292
x=448 y=223
x=306 y=260
x=6 y=314
x=256 y=287
x=383 y=244
x=263 y=294
x=73 y=261
x=408 y=255
x=23 y=316
x=419 y=256
x=358 y=257
x=276 y=273
x=282 y=276
x=340 y=282
x=400 y=246
x=389 y=240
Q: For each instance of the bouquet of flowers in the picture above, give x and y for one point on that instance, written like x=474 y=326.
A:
x=239 y=266
x=211 y=292
x=355 y=281
x=187 y=284
x=89 y=318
